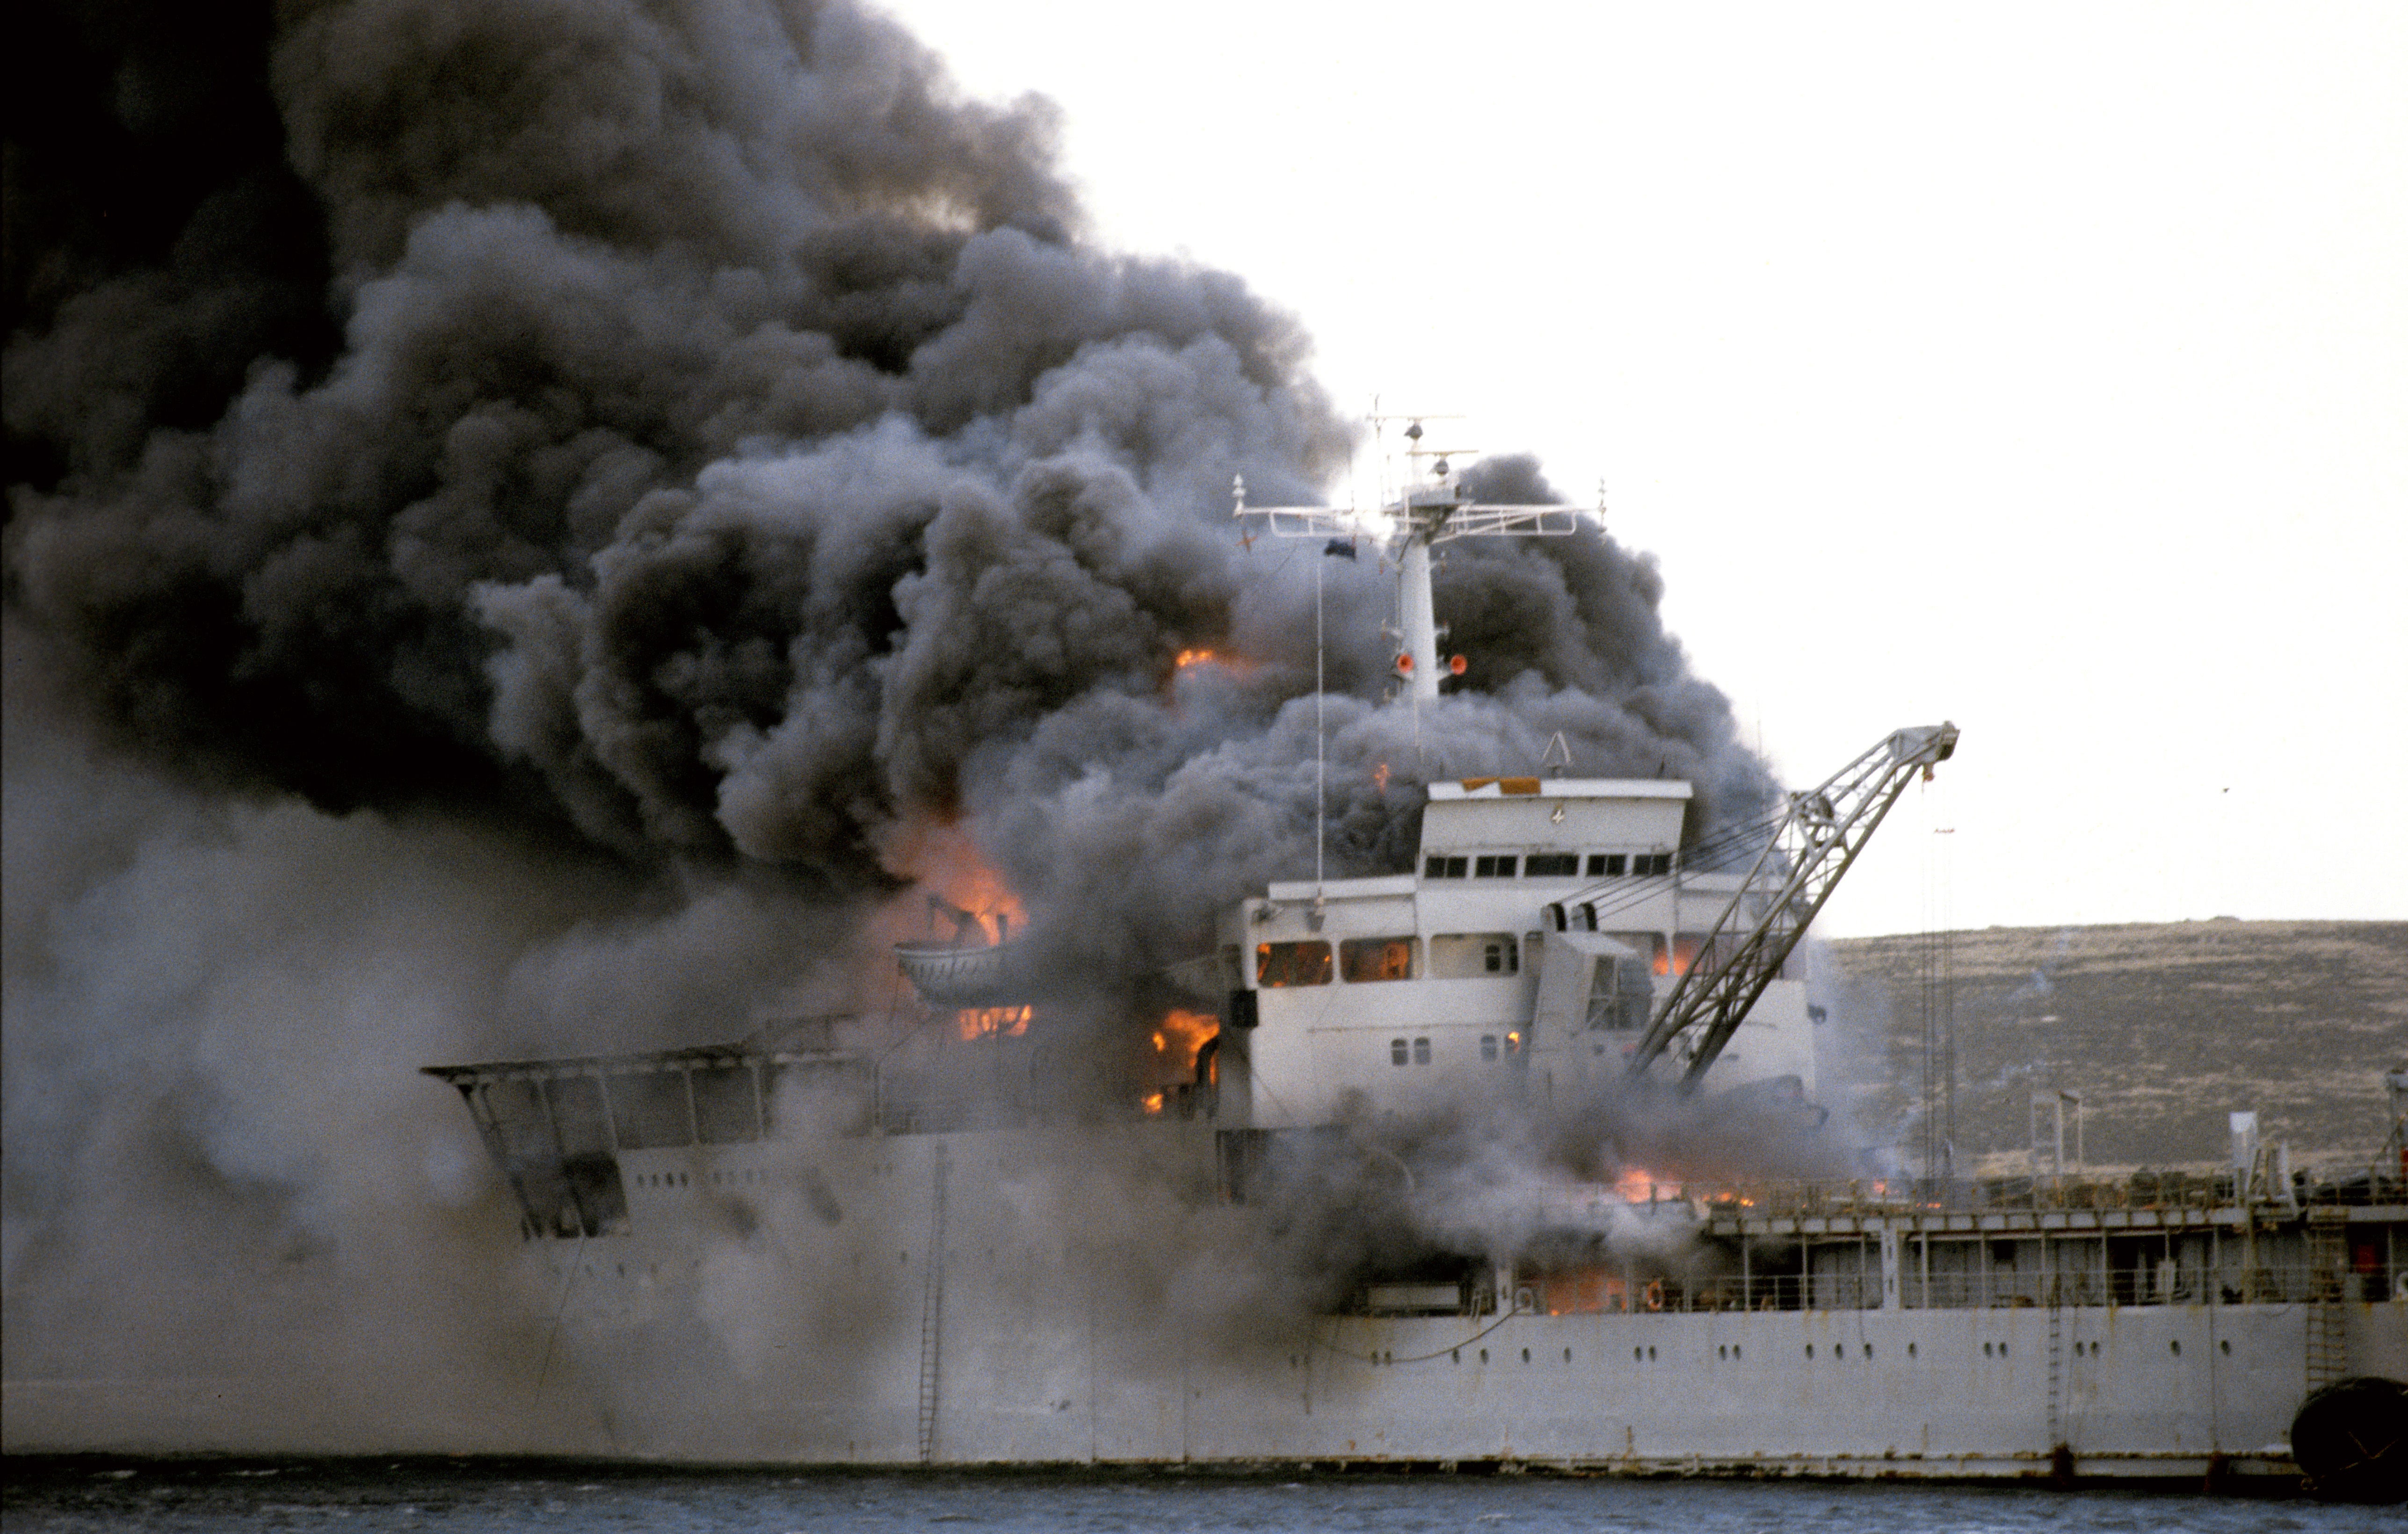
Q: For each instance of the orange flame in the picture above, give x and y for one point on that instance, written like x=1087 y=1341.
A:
x=944 y=861
x=1189 y=659
x=1380 y=777
x=993 y=1021
x=1637 y=1185
x=1181 y=1034
x=1152 y=1103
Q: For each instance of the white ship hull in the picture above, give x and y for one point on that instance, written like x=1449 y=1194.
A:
x=1042 y=1349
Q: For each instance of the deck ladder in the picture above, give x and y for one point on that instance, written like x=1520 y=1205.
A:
x=932 y=1307
x=2328 y=1350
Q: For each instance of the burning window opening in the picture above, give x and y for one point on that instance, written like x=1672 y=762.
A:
x=1279 y=965
x=975 y=1023
x=1180 y=1037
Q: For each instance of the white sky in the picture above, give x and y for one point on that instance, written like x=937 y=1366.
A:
x=2040 y=366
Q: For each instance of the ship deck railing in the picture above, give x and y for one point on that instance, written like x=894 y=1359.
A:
x=1593 y=1292
x=2166 y=1191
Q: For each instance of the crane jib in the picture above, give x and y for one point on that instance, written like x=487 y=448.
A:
x=1800 y=863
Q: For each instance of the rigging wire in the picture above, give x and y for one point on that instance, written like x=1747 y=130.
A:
x=1417 y=1358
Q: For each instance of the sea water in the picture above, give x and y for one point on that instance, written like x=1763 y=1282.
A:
x=357 y=1496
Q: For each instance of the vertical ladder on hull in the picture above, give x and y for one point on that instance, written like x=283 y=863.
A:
x=2328 y=1350
x=932 y=1307
x=2055 y=1370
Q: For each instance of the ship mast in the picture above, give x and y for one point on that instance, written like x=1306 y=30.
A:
x=1429 y=508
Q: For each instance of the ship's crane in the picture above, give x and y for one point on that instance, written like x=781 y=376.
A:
x=1802 y=861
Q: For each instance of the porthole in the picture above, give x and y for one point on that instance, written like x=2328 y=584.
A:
x=1638 y=1355
x=1651 y=1355
x=1484 y=1356
x=1388 y=1358
x=1458 y=1356
x=1525 y=1356
x=1840 y=1350
x=2176 y=1345
x=1568 y=1355
x=1810 y=1350
x=2002 y=1350
x=1985 y=1350
x=1910 y=1350
x=2226 y=1345
x=1869 y=1350
x=1734 y=1350
x=1722 y=1352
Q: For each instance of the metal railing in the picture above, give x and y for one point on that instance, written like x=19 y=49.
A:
x=2377 y=1184
x=1593 y=1293
x=2185 y=1284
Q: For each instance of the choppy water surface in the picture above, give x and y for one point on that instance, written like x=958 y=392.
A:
x=355 y=1495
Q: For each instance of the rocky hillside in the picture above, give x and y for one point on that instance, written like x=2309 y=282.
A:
x=2163 y=1030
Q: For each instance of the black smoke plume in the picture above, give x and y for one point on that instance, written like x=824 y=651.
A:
x=683 y=454
x=698 y=433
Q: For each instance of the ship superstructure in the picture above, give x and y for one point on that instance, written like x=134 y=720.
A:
x=1527 y=944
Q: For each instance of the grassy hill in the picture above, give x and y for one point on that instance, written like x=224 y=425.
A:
x=2163 y=1030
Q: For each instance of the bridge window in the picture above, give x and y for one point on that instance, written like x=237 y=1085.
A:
x=1445 y=868
x=1420 y=1051
x=1551 y=866
x=1488 y=1046
x=1494 y=865
x=1361 y=959
x=1606 y=864
x=1651 y=865
x=1474 y=955
x=1396 y=1051
x=1279 y=965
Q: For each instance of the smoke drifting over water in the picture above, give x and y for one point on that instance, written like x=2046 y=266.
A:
x=522 y=515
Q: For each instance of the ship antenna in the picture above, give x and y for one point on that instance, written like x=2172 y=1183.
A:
x=1320 y=748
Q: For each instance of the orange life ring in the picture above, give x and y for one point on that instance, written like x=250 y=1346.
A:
x=1655 y=1295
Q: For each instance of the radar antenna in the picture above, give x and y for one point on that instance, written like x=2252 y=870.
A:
x=1430 y=510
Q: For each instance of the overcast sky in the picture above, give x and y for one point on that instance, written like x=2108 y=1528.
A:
x=2042 y=367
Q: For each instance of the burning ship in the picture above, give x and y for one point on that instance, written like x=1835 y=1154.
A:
x=1571 y=975
x=702 y=443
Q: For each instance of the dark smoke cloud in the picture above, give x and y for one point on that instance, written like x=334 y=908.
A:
x=729 y=451
x=560 y=496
